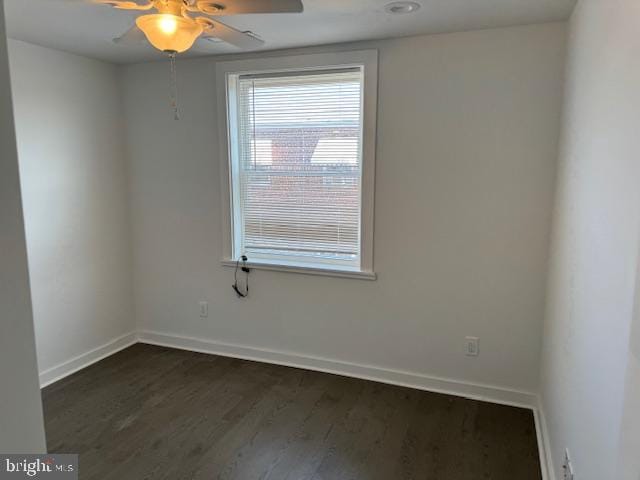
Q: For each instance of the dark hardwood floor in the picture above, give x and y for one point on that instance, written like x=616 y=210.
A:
x=157 y=413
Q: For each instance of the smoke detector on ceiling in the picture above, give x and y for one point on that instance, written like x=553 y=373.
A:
x=401 y=8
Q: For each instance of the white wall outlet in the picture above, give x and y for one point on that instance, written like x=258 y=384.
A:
x=472 y=348
x=204 y=309
x=567 y=467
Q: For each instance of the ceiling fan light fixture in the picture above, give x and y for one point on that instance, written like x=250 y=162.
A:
x=168 y=24
x=169 y=33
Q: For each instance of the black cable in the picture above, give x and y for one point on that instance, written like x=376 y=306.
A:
x=245 y=269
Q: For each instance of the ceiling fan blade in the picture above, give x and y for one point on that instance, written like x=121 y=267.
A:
x=133 y=36
x=232 y=36
x=236 y=7
x=206 y=45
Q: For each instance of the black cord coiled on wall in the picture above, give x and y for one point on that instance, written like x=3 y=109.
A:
x=246 y=270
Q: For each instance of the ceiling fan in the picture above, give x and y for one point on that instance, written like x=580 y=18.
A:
x=176 y=25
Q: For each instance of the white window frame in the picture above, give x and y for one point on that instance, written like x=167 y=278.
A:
x=225 y=73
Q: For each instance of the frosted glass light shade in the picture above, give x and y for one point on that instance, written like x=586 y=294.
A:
x=169 y=33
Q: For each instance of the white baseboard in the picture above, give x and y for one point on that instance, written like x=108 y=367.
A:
x=544 y=445
x=418 y=381
x=64 y=369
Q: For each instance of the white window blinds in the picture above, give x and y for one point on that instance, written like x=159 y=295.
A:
x=298 y=167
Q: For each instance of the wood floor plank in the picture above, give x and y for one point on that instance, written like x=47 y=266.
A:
x=157 y=413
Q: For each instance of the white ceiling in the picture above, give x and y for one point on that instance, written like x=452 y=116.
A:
x=78 y=26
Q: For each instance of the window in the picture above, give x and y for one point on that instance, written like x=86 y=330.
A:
x=300 y=180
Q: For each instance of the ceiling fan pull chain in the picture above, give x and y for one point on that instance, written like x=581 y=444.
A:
x=174 y=86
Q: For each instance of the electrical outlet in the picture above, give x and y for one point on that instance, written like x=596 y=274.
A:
x=472 y=346
x=204 y=309
x=567 y=467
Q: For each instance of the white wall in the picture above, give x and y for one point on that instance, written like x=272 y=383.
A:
x=467 y=137
x=21 y=425
x=70 y=142
x=629 y=460
x=588 y=373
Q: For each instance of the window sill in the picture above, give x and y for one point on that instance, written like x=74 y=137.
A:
x=327 y=272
